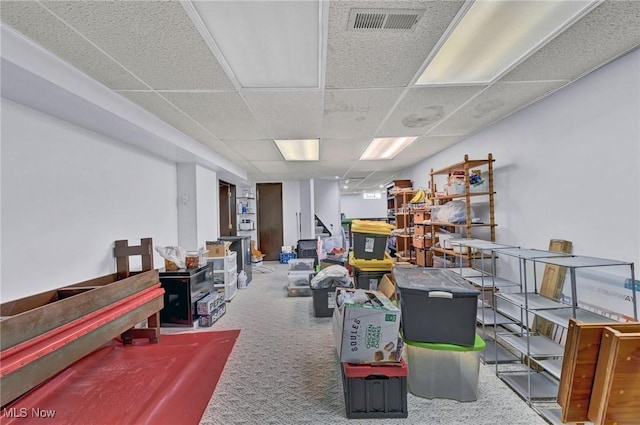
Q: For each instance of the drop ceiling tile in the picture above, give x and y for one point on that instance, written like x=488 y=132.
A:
x=493 y=104
x=164 y=110
x=255 y=150
x=609 y=30
x=223 y=113
x=422 y=108
x=155 y=40
x=426 y=146
x=287 y=114
x=356 y=113
x=246 y=166
x=223 y=149
x=400 y=164
x=369 y=166
x=342 y=150
x=268 y=167
x=331 y=169
x=256 y=177
x=32 y=20
x=382 y=58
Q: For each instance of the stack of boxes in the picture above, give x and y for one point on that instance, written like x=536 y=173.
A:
x=368 y=259
x=374 y=375
x=439 y=330
x=210 y=308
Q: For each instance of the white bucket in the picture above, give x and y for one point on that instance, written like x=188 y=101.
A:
x=242 y=280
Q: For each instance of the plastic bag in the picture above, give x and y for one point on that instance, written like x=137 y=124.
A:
x=454 y=212
x=331 y=277
x=175 y=254
x=242 y=280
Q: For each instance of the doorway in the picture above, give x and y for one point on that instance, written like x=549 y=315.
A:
x=269 y=202
x=228 y=219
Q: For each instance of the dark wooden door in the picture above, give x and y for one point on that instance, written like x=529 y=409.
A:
x=227 y=213
x=269 y=201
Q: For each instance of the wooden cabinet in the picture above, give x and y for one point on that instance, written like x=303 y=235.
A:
x=471 y=181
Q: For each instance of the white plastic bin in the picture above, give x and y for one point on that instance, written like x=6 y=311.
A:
x=444 y=370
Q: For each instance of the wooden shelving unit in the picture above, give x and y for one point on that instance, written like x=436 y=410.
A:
x=399 y=192
x=461 y=171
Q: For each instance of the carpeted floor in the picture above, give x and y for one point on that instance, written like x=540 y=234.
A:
x=284 y=370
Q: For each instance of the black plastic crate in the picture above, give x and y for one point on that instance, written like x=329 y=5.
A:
x=324 y=301
x=369 y=246
x=368 y=280
x=438 y=306
x=308 y=248
x=375 y=391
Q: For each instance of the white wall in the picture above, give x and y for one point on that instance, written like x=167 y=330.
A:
x=208 y=212
x=353 y=206
x=67 y=195
x=198 y=213
x=306 y=209
x=567 y=167
x=290 y=212
x=327 y=204
x=187 y=206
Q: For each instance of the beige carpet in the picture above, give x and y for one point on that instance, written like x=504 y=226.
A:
x=284 y=370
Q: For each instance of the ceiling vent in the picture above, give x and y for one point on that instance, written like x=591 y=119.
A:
x=384 y=19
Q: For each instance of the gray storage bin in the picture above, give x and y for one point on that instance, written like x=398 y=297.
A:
x=437 y=305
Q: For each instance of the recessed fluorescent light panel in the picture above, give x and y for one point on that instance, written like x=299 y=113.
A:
x=495 y=35
x=267 y=44
x=299 y=150
x=386 y=147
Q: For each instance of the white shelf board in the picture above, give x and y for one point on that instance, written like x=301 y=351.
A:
x=488 y=317
x=582 y=261
x=531 y=254
x=467 y=272
x=539 y=346
x=552 y=366
x=534 y=301
x=551 y=415
x=542 y=386
x=490 y=282
x=488 y=355
x=561 y=316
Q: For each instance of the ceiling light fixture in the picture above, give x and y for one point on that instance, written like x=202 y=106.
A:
x=493 y=36
x=277 y=45
x=299 y=150
x=386 y=147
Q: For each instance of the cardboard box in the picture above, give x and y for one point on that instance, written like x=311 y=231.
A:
x=209 y=303
x=366 y=333
x=387 y=286
x=218 y=248
x=206 y=320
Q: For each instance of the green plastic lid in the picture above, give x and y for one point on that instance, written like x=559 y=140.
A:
x=478 y=345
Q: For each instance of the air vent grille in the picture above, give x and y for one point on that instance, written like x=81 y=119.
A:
x=384 y=19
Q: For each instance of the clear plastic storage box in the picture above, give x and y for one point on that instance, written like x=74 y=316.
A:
x=444 y=370
x=301 y=264
x=299 y=283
